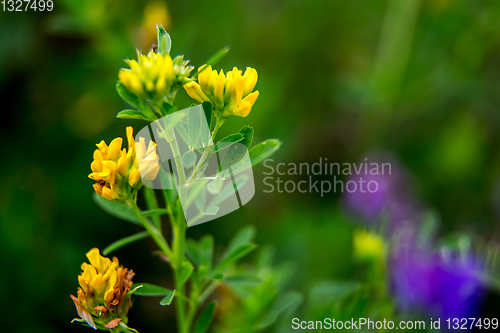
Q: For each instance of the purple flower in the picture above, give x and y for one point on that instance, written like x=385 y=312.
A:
x=393 y=193
x=426 y=283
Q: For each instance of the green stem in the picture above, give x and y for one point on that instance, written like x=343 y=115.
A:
x=155 y=233
x=193 y=306
x=206 y=153
x=208 y=291
x=179 y=232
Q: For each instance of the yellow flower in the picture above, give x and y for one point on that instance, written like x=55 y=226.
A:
x=102 y=296
x=230 y=94
x=368 y=245
x=153 y=75
x=118 y=172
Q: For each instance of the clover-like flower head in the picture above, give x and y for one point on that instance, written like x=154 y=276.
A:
x=103 y=296
x=230 y=95
x=152 y=76
x=119 y=172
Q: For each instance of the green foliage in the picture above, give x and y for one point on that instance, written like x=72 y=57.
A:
x=263 y=150
x=215 y=58
x=116 y=209
x=148 y=289
x=133 y=114
x=164 y=43
x=124 y=241
x=169 y=297
x=205 y=319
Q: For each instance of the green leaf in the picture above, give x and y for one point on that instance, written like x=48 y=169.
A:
x=163 y=40
x=155 y=212
x=194 y=122
x=126 y=328
x=206 y=250
x=202 y=271
x=244 y=236
x=128 y=97
x=233 y=155
x=149 y=289
x=129 y=294
x=228 y=190
x=193 y=251
x=218 y=276
x=244 y=279
x=115 y=209
x=133 y=114
x=165 y=108
x=200 y=201
x=328 y=291
x=212 y=210
x=247 y=132
x=264 y=150
x=214 y=59
x=290 y=300
x=167 y=300
x=205 y=130
x=265 y=257
x=227 y=141
x=205 y=319
x=234 y=256
x=194 y=192
x=187 y=269
x=124 y=241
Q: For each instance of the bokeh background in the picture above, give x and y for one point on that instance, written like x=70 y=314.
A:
x=413 y=82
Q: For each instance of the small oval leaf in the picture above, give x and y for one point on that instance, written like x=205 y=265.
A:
x=149 y=289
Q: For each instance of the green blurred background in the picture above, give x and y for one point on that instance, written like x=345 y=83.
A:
x=337 y=80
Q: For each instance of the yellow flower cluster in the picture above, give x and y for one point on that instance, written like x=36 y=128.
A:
x=153 y=75
x=230 y=94
x=102 y=295
x=117 y=172
x=149 y=77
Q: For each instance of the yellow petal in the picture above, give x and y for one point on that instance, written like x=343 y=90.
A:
x=114 y=149
x=243 y=109
x=98 y=189
x=100 y=263
x=103 y=147
x=237 y=93
x=251 y=98
x=96 y=166
x=130 y=137
x=131 y=81
x=219 y=87
x=98 y=154
x=109 y=194
x=122 y=164
x=250 y=80
x=204 y=77
x=134 y=177
x=194 y=91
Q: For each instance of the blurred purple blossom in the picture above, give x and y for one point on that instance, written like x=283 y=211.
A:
x=394 y=195
x=427 y=283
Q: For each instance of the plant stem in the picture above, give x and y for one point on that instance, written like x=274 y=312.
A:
x=208 y=291
x=155 y=233
x=207 y=153
x=179 y=232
